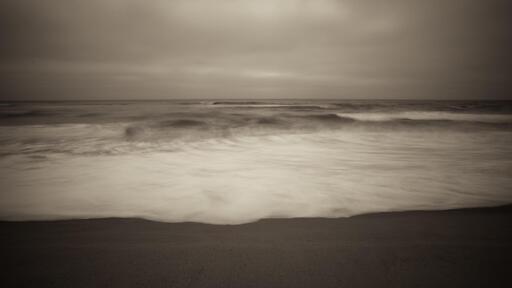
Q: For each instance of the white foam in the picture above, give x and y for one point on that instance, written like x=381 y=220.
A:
x=249 y=178
x=435 y=115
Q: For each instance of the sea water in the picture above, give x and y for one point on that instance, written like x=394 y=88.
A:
x=231 y=162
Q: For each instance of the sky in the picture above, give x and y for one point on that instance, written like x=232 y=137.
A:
x=255 y=49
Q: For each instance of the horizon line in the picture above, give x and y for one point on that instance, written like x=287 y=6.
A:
x=254 y=100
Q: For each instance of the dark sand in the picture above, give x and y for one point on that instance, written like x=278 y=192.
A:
x=459 y=248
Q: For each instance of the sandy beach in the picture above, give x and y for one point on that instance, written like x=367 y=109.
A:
x=456 y=248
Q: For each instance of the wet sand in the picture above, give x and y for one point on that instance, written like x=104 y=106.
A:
x=457 y=248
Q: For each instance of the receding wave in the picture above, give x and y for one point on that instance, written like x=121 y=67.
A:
x=232 y=181
x=226 y=164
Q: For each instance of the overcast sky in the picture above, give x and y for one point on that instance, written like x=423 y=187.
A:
x=135 y=49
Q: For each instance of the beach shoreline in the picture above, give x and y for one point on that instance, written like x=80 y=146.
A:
x=452 y=248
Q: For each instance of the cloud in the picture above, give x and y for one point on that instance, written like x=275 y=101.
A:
x=244 y=48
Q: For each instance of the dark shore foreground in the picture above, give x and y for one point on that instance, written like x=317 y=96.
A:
x=457 y=248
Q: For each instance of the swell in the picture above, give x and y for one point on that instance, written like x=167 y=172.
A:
x=355 y=106
x=297 y=121
x=82 y=131
x=201 y=126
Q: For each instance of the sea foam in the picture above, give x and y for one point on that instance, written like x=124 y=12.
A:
x=230 y=165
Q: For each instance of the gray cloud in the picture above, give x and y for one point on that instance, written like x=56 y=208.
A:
x=71 y=49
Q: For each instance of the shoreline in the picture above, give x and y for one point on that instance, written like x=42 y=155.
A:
x=469 y=247
x=506 y=208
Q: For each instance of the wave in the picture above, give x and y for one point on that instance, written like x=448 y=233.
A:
x=31 y=113
x=382 y=105
x=235 y=125
x=330 y=117
x=147 y=126
x=435 y=115
x=104 y=112
x=490 y=107
x=268 y=105
x=124 y=139
x=226 y=165
x=240 y=103
x=182 y=123
x=232 y=181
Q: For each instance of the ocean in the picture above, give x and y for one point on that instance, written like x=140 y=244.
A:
x=232 y=162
